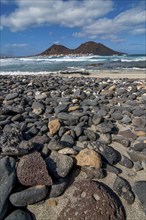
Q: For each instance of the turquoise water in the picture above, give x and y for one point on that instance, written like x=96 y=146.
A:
x=72 y=63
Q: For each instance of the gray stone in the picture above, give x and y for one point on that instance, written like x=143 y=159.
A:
x=38 y=108
x=123 y=189
x=61 y=108
x=117 y=138
x=58 y=187
x=117 y=116
x=97 y=119
x=67 y=140
x=91 y=135
x=126 y=162
x=140 y=190
x=7 y=181
x=59 y=165
x=29 y=196
x=19 y=215
x=55 y=145
x=11 y=96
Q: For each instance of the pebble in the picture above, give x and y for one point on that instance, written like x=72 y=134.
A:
x=123 y=189
x=7 y=182
x=54 y=126
x=31 y=170
x=29 y=196
x=90 y=113
x=19 y=215
x=89 y=196
x=126 y=162
x=140 y=190
x=59 y=165
x=87 y=157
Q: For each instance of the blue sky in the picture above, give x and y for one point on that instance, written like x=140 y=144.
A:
x=31 y=26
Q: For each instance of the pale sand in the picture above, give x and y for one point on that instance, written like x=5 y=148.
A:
x=113 y=74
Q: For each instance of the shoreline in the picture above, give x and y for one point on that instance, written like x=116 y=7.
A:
x=113 y=74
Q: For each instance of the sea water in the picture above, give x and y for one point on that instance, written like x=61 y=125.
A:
x=48 y=64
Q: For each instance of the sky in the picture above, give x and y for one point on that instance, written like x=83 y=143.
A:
x=29 y=27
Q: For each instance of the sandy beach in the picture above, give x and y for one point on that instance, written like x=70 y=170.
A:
x=113 y=74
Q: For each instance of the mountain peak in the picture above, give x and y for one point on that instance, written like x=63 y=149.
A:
x=89 y=47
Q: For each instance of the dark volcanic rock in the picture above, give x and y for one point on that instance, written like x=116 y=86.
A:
x=7 y=181
x=120 y=139
x=108 y=153
x=91 y=135
x=89 y=196
x=38 y=108
x=140 y=190
x=128 y=134
x=126 y=162
x=123 y=189
x=29 y=196
x=56 y=145
x=32 y=170
x=11 y=96
x=58 y=164
x=19 y=215
x=59 y=187
x=67 y=140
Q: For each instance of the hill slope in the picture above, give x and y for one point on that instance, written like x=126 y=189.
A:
x=86 y=48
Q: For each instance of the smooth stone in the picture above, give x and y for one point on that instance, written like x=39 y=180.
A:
x=128 y=134
x=54 y=126
x=138 y=121
x=104 y=128
x=29 y=196
x=63 y=116
x=11 y=96
x=68 y=151
x=136 y=156
x=140 y=190
x=56 y=145
x=139 y=146
x=61 y=108
x=31 y=170
x=138 y=112
x=97 y=119
x=117 y=116
x=38 y=108
x=19 y=215
x=7 y=182
x=117 y=138
x=59 y=165
x=126 y=119
x=126 y=162
x=39 y=141
x=73 y=108
x=79 y=129
x=67 y=140
x=123 y=189
x=58 y=187
x=90 y=158
x=91 y=135
x=40 y=96
x=108 y=153
x=138 y=166
x=113 y=169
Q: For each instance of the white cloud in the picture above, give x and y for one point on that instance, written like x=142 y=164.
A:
x=17 y=45
x=71 y=13
x=126 y=21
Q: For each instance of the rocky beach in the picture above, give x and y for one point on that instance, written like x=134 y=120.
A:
x=73 y=148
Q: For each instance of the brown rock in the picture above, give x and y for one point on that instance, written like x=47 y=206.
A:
x=91 y=200
x=87 y=157
x=73 y=108
x=52 y=202
x=128 y=134
x=140 y=133
x=54 y=126
x=32 y=170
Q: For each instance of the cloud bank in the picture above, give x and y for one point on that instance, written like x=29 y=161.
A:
x=90 y=16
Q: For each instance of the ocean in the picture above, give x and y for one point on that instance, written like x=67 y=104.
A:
x=50 y=64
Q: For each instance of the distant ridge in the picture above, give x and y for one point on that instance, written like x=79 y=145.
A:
x=89 y=47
